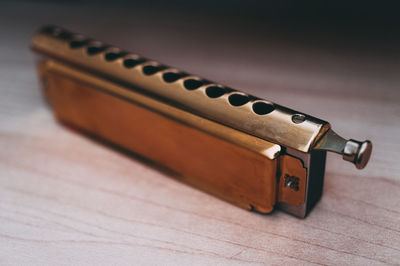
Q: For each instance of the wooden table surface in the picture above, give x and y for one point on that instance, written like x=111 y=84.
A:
x=68 y=200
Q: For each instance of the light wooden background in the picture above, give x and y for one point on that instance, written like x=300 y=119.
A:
x=67 y=200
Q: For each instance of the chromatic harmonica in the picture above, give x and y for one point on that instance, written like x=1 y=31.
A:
x=249 y=151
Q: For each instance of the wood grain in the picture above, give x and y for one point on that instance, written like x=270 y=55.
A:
x=65 y=199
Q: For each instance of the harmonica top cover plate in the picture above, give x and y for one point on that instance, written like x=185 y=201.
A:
x=235 y=109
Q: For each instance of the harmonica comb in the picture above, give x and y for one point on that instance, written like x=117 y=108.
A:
x=248 y=151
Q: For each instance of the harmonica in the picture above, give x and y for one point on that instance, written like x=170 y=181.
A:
x=248 y=151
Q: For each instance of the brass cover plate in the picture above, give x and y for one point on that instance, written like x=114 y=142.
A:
x=219 y=165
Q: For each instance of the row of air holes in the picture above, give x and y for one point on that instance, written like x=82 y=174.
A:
x=213 y=91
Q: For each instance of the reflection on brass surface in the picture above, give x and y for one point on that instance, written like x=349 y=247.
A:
x=246 y=150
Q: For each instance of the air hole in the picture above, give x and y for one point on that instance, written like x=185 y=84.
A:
x=172 y=76
x=238 y=99
x=111 y=56
x=65 y=35
x=129 y=63
x=192 y=84
x=50 y=29
x=77 y=44
x=262 y=108
x=92 y=50
x=150 y=70
x=215 y=91
x=55 y=31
